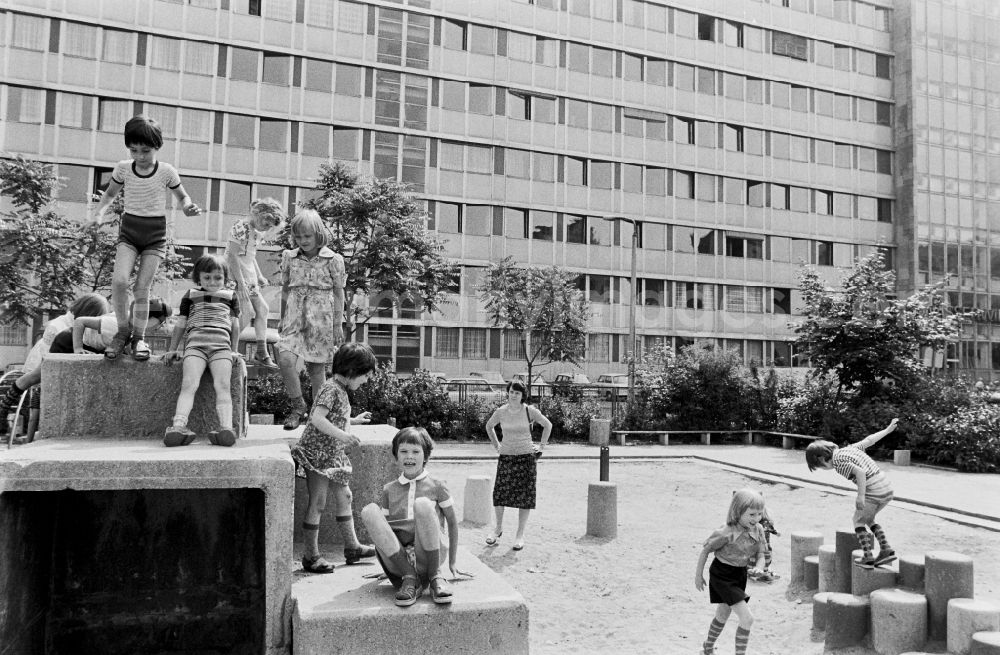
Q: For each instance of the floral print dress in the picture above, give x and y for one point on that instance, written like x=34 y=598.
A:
x=314 y=288
x=319 y=452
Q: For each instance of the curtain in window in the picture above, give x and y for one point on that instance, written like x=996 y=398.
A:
x=351 y=17
x=29 y=32
x=118 y=47
x=446 y=342
x=513 y=348
x=74 y=110
x=113 y=114
x=196 y=125
x=165 y=53
x=598 y=347
x=25 y=105
x=474 y=343
x=755 y=299
x=166 y=116
x=79 y=40
x=480 y=159
x=734 y=299
x=280 y=9
x=320 y=13
x=199 y=58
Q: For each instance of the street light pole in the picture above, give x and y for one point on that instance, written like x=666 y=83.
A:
x=631 y=316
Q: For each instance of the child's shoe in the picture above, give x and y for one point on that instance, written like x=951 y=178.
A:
x=866 y=562
x=117 y=344
x=178 y=436
x=355 y=555
x=264 y=359
x=440 y=591
x=409 y=591
x=224 y=437
x=316 y=564
x=885 y=557
x=753 y=574
x=765 y=576
x=140 y=350
x=293 y=420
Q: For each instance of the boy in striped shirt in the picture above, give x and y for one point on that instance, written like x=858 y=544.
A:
x=143 y=232
x=874 y=491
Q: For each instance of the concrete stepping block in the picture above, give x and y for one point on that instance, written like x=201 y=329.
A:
x=810 y=571
x=827 y=567
x=820 y=601
x=911 y=571
x=345 y=613
x=804 y=543
x=985 y=643
x=478 y=504
x=846 y=541
x=899 y=621
x=864 y=581
x=966 y=617
x=947 y=575
x=602 y=510
x=847 y=620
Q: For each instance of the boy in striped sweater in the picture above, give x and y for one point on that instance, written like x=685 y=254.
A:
x=874 y=491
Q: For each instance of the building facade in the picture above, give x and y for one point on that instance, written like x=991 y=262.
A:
x=738 y=138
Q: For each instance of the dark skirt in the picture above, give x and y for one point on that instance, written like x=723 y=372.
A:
x=726 y=583
x=515 y=482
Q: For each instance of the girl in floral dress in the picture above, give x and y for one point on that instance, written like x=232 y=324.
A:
x=312 y=308
x=321 y=458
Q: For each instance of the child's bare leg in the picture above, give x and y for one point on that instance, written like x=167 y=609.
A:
x=178 y=434
x=287 y=361
x=722 y=612
x=742 y=611
x=260 y=312
x=317 y=485
x=222 y=372
x=428 y=550
x=124 y=263
x=148 y=265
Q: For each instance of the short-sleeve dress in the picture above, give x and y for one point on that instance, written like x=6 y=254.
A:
x=310 y=309
x=319 y=452
x=245 y=238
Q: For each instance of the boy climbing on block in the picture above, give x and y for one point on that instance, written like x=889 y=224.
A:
x=874 y=491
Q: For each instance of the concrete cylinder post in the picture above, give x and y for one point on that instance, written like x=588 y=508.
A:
x=966 y=617
x=846 y=541
x=600 y=431
x=804 y=543
x=985 y=643
x=478 y=507
x=864 y=581
x=846 y=620
x=820 y=601
x=602 y=510
x=810 y=572
x=827 y=567
x=911 y=572
x=899 y=621
x=947 y=575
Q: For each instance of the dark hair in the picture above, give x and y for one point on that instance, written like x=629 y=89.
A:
x=354 y=360
x=517 y=385
x=89 y=304
x=158 y=309
x=142 y=130
x=415 y=436
x=819 y=452
x=208 y=263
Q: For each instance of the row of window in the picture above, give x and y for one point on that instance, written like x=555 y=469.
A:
x=971 y=263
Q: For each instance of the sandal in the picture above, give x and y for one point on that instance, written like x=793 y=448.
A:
x=117 y=344
x=518 y=545
x=140 y=350
x=409 y=591
x=317 y=564
x=263 y=360
x=355 y=555
x=440 y=591
x=293 y=420
x=492 y=539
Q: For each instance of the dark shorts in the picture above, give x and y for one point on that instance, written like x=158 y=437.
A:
x=146 y=235
x=727 y=583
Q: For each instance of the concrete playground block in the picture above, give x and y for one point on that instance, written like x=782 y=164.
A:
x=947 y=575
x=810 y=571
x=373 y=466
x=827 y=567
x=600 y=432
x=864 y=581
x=846 y=620
x=803 y=543
x=820 y=602
x=602 y=510
x=911 y=571
x=967 y=617
x=478 y=504
x=90 y=397
x=985 y=643
x=899 y=621
x=347 y=614
x=846 y=541
x=901 y=457
x=262 y=419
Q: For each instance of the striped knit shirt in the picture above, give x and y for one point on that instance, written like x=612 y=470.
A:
x=210 y=312
x=146 y=195
x=845 y=459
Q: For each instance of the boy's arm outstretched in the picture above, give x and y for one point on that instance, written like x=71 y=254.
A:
x=97 y=213
x=187 y=205
x=875 y=437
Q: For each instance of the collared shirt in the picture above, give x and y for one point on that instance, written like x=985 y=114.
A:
x=399 y=495
x=736 y=546
x=324 y=271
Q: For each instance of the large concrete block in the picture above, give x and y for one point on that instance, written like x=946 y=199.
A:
x=819 y=609
x=827 y=567
x=478 y=500
x=373 y=466
x=124 y=486
x=911 y=572
x=847 y=619
x=88 y=396
x=846 y=541
x=967 y=617
x=899 y=621
x=347 y=614
x=864 y=581
x=947 y=575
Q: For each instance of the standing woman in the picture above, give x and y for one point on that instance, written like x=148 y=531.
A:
x=516 y=470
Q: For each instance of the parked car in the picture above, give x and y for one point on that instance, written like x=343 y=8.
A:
x=493 y=378
x=539 y=387
x=615 y=386
x=469 y=387
x=568 y=384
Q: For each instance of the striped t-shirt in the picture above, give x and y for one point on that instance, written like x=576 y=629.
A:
x=146 y=195
x=845 y=459
x=210 y=312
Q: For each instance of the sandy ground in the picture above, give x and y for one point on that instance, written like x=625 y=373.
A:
x=635 y=594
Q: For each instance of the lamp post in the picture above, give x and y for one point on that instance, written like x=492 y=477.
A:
x=631 y=307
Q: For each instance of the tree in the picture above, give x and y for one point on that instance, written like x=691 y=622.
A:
x=862 y=335
x=380 y=231
x=541 y=304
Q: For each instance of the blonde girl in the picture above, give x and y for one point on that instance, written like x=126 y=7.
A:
x=241 y=255
x=312 y=308
x=737 y=546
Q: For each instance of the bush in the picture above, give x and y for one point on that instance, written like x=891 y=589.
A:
x=421 y=401
x=266 y=395
x=471 y=416
x=379 y=395
x=968 y=439
x=570 y=419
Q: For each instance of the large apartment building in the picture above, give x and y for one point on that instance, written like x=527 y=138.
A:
x=737 y=137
